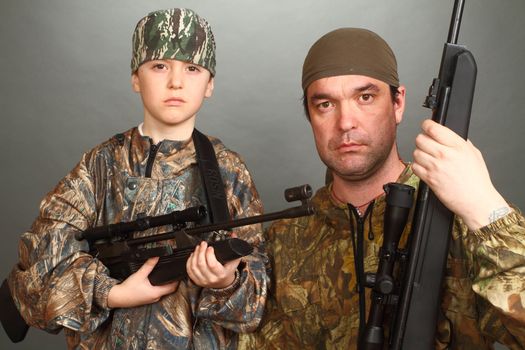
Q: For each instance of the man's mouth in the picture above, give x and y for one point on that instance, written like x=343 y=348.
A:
x=349 y=146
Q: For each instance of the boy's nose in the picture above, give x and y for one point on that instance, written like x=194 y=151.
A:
x=175 y=80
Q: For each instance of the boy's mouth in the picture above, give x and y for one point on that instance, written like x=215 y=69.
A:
x=174 y=101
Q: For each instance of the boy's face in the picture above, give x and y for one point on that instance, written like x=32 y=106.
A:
x=172 y=92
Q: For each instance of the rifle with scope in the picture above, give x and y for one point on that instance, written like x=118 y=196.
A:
x=124 y=255
x=415 y=298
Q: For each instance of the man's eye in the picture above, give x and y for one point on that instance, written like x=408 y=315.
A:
x=324 y=105
x=193 y=68
x=367 y=97
x=159 y=66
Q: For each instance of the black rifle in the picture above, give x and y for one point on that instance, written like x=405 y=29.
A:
x=450 y=98
x=124 y=255
x=416 y=295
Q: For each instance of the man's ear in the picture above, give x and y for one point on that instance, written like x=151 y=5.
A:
x=209 y=88
x=135 y=82
x=399 y=103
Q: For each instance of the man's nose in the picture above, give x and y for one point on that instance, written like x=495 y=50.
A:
x=347 y=116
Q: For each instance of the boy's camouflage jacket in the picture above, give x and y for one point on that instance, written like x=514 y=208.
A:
x=57 y=285
x=315 y=305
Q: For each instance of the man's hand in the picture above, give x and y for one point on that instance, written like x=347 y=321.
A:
x=136 y=290
x=205 y=271
x=455 y=171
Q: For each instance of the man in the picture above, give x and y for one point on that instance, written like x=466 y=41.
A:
x=354 y=102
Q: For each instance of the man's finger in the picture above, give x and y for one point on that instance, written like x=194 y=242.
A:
x=423 y=159
x=440 y=133
x=428 y=145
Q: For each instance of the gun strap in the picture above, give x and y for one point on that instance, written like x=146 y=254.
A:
x=211 y=178
x=13 y=323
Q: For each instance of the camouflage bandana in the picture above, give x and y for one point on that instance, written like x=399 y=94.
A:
x=179 y=34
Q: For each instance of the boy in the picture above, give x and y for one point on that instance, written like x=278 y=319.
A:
x=148 y=170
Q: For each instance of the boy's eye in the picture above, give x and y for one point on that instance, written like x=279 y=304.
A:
x=159 y=66
x=193 y=68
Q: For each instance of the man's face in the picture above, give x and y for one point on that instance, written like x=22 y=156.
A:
x=172 y=92
x=354 y=121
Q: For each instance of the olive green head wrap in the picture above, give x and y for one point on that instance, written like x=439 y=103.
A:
x=350 y=51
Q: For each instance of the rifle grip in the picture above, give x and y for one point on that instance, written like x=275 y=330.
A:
x=173 y=267
x=230 y=249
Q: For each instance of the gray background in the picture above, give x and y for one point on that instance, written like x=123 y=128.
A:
x=64 y=70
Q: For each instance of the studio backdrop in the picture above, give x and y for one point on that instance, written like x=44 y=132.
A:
x=65 y=87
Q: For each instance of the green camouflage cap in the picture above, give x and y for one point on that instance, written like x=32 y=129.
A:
x=179 y=34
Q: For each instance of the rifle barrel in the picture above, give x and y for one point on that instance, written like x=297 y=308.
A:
x=455 y=21
x=303 y=210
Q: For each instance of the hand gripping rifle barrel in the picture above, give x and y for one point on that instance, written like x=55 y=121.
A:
x=450 y=98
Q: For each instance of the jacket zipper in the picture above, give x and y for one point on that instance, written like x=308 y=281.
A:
x=154 y=148
x=151 y=158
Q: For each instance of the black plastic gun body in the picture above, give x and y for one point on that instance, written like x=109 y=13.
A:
x=124 y=255
x=415 y=294
x=450 y=98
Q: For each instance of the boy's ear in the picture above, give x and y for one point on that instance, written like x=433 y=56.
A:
x=135 y=82
x=209 y=88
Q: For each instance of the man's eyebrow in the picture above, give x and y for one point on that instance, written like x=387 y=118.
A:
x=320 y=96
x=326 y=96
x=368 y=87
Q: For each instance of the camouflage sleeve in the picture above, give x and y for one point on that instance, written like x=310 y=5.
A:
x=240 y=307
x=497 y=255
x=56 y=284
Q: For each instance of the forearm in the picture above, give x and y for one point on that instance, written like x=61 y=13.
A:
x=498 y=255
x=72 y=293
x=488 y=208
x=238 y=307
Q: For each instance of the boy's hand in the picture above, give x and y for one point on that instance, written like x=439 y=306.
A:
x=205 y=271
x=136 y=290
x=455 y=171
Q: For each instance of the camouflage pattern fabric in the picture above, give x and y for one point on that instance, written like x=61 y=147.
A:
x=58 y=286
x=315 y=303
x=179 y=34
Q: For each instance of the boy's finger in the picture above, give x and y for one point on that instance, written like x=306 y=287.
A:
x=148 y=266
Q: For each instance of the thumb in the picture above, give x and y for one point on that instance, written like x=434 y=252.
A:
x=148 y=266
x=232 y=264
